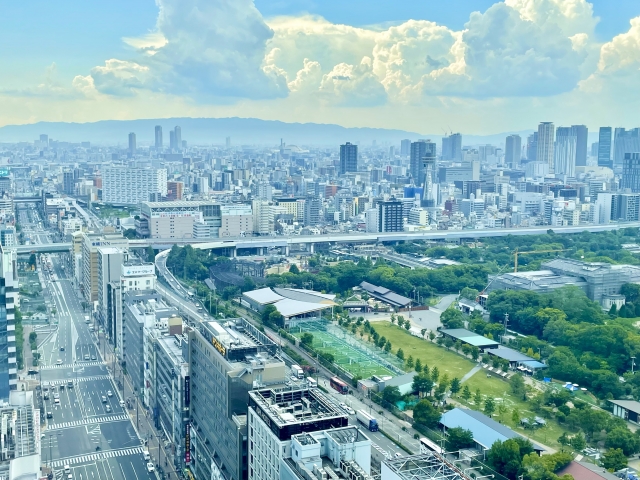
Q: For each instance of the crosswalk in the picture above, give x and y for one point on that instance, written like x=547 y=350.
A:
x=96 y=456
x=76 y=364
x=87 y=421
x=92 y=378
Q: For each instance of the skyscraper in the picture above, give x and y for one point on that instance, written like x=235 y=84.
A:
x=158 y=137
x=631 y=172
x=565 y=151
x=625 y=141
x=172 y=140
x=348 y=158
x=8 y=300
x=604 y=147
x=532 y=147
x=178 y=137
x=390 y=216
x=452 y=147
x=405 y=147
x=581 y=133
x=545 y=150
x=132 y=143
x=419 y=150
x=513 y=147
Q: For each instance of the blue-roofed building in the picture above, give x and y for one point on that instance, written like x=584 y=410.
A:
x=485 y=430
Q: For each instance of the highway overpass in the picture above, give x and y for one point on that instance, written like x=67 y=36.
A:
x=243 y=243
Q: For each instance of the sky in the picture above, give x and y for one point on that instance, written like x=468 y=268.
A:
x=475 y=66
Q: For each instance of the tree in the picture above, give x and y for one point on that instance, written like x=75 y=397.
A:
x=418 y=366
x=502 y=409
x=391 y=395
x=423 y=331
x=407 y=325
x=400 y=354
x=294 y=269
x=432 y=335
x=426 y=414
x=393 y=318
x=489 y=407
x=614 y=459
x=268 y=310
x=435 y=374
x=475 y=353
x=422 y=384
x=458 y=438
x=506 y=457
x=516 y=382
x=275 y=318
x=466 y=393
x=307 y=339
x=622 y=438
x=410 y=362
x=593 y=421
x=477 y=398
x=400 y=322
x=578 y=442
x=452 y=318
x=387 y=346
x=515 y=417
x=469 y=293
x=564 y=440
x=455 y=386
x=613 y=311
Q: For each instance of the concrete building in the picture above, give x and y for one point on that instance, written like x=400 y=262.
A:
x=312 y=207
x=281 y=426
x=8 y=236
x=91 y=242
x=631 y=172
x=541 y=281
x=605 y=141
x=132 y=144
x=581 y=132
x=122 y=185
x=420 y=150
x=226 y=361
x=110 y=261
x=452 y=147
x=175 y=190
x=237 y=220
x=295 y=305
x=177 y=219
x=545 y=144
x=625 y=141
x=565 y=152
x=158 y=137
x=9 y=289
x=390 y=217
x=348 y=158
x=21 y=438
x=513 y=150
x=68 y=182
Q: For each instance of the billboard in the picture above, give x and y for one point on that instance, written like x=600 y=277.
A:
x=187 y=444
x=187 y=391
x=4 y=171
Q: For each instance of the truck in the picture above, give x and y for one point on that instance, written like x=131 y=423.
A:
x=367 y=420
x=297 y=371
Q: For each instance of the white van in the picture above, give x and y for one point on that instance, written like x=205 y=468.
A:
x=146 y=456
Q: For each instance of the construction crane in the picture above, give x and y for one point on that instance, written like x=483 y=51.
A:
x=516 y=253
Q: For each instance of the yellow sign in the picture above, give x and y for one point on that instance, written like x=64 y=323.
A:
x=218 y=346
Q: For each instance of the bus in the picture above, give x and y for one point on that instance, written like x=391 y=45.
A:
x=339 y=385
x=427 y=446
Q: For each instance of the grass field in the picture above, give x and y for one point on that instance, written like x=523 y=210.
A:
x=353 y=360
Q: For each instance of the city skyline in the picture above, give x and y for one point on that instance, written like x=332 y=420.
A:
x=417 y=70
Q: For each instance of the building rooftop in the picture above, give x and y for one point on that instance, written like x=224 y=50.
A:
x=631 y=405
x=536 y=279
x=238 y=340
x=179 y=204
x=385 y=295
x=428 y=466
x=469 y=337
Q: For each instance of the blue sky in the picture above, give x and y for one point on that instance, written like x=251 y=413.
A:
x=357 y=63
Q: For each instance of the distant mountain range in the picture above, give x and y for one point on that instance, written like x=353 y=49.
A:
x=213 y=131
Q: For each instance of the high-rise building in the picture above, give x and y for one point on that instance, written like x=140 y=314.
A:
x=178 y=137
x=565 y=151
x=312 y=207
x=405 y=147
x=604 y=147
x=545 y=150
x=348 y=158
x=132 y=143
x=44 y=141
x=91 y=242
x=130 y=185
x=513 y=148
x=158 y=142
x=174 y=190
x=390 y=216
x=110 y=260
x=172 y=140
x=237 y=220
x=631 y=172
x=227 y=361
x=532 y=147
x=625 y=141
x=452 y=147
x=228 y=142
x=8 y=300
x=419 y=151
x=68 y=182
x=581 y=133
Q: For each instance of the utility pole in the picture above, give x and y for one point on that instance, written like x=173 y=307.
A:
x=506 y=323
x=633 y=363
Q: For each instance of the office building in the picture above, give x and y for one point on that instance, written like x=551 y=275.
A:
x=581 y=133
x=545 y=144
x=423 y=155
x=452 y=147
x=282 y=423
x=348 y=158
x=8 y=300
x=227 y=361
x=174 y=190
x=631 y=172
x=176 y=219
x=429 y=175
x=237 y=220
x=132 y=143
x=405 y=147
x=130 y=185
x=21 y=438
x=110 y=260
x=68 y=182
x=158 y=137
x=565 y=152
x=8 y=236
x=625 y=141
x=532 y=147
x=390 y=216
x=604 y=147
x=312 y=208
x=91 y=242
x=44 y=141
x=513 y=148
x=177 y=136
x=172 y=140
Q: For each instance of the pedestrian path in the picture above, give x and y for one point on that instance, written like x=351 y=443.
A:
x=95 y=456
x=471 y=373
x=76 y=364
x=88 y=421
x=92 y=378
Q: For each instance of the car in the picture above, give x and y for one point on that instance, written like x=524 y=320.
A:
x=121 y=403
x=56 y=395
x=93 y=357
x=67 y=469
x=398 y=455
x=86 y=357
x=343 y=405
x=62 y=349
x=350 y=411
x=109 y=393
x=56 y=401
x=146 y=455
x=59 y=362
x=46 y=396
x=108 y=408
x=150 y=467
x=49 y=415
x=104 y=399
